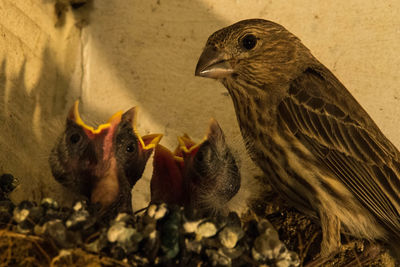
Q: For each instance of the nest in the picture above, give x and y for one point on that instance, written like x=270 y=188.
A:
x=269 y=235
x=29 y=250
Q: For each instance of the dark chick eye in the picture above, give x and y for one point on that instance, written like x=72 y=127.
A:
x=199 y=157
x=249 y=41
x=130 y=148
x=75 y=138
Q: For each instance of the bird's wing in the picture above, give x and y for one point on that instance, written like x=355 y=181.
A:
x=321 y=113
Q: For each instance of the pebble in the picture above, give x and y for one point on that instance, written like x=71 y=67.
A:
x=217 y=258
x=7 y=184
x=80 y=205
x=205 y=229
x=116 y=231
x=20 y=215
x=193 y=246
x=267 y=246
x=124 y=217
x=53 y=214
x=157 y=211
x=191 y=226
x=170 y=234
x=35 y=214
x=162 y=235
x=6 y=211
x=230 y=235
x=291 y=260
x=236 y=252
x=77 y=218
x=118 y=253
x=233 y=220
x=57 y=231
x=49 y=203
x=126 y=238
x=151 y=244
x=99 y=243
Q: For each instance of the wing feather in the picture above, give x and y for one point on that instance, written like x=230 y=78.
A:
x=346 y=140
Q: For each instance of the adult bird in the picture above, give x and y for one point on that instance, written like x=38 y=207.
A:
x=102 y=164
x=318 y=146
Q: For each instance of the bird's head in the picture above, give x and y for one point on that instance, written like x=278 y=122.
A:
x=201 y=176
x=256 y=51
x=104 y=163
x=211 y=173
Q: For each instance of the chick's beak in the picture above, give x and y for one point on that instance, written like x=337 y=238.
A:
x=147 y=142
x=213 y=64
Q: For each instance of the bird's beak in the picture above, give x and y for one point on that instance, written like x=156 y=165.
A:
x=215 y=132
x=74 y=116
x=147 y=142
x=187 y=147
x=213 y=64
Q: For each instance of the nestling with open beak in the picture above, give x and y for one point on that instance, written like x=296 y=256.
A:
x=201 y=177
x=102 y=164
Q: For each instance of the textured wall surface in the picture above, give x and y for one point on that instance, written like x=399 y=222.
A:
x=39 y=77
x=144 y=53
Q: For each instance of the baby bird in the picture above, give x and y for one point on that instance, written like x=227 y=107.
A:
x=102 y=164
x=201 y=177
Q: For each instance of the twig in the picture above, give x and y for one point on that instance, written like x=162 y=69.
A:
x=310 y=242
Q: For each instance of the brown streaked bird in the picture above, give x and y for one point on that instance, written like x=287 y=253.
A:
x=203 y=177
x=102 y=164
x=319 y=147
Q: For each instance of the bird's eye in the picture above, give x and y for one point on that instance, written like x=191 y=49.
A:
x=249 y=41
x=199 y=156
x=130 y=148
x=75 y=138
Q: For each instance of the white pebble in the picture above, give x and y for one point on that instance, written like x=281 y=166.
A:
x=206 y=229
x=191 y=227
x=78 y=206
x=228 y=237
x=20 y=215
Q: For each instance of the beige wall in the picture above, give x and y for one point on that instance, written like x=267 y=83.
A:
x=144 y=53
x=39 y=77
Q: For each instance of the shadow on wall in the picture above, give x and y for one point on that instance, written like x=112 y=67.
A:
x=30 y=121
x=150 y=51
x=81 y=11
x=144 y=53
x=154 y=61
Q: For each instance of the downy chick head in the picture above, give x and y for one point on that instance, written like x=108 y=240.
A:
x=102 y=164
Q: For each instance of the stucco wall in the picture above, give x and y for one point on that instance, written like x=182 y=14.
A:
x=39 y=78
x=144 y=53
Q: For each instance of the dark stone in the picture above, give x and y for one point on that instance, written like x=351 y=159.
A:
x=118 y=253
x=252 y=229
x=6 y=212
x=77 y=219
x=26 y=205
x=58 y=232
x=170 y=233
x=52 y=214
x=234 y=220
x=49 y=203
x=7 y=183
x=35 y=214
